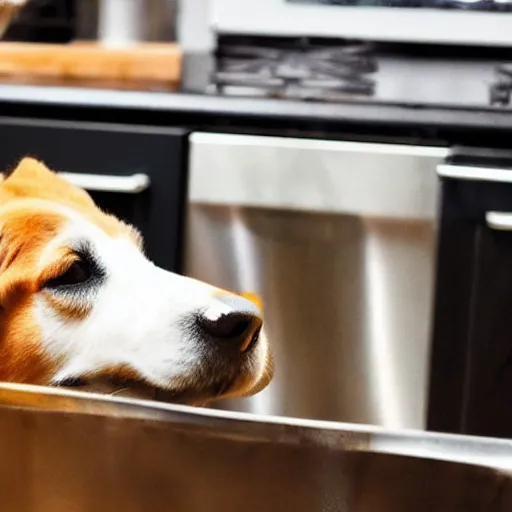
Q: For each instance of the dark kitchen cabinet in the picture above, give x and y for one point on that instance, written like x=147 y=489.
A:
x=142 y=171
x=471 y=364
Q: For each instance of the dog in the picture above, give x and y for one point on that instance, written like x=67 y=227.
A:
x=82 y=306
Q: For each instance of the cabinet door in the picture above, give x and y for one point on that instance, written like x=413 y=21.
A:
x=471 y=371
x=137 y=173
x=488 y=410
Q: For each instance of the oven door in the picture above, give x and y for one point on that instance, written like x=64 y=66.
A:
x=136 y=173
x=427 y=21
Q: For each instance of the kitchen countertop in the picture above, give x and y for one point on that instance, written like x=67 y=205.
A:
x=413 y=93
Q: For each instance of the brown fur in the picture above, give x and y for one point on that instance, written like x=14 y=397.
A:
x=27 y=224
x=33 y=180
x=29 y=220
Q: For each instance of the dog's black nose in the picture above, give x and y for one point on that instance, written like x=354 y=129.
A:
x=237 y=329
x=232 y=321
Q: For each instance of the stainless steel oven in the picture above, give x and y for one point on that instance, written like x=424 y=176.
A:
x=338 y=238
x=476 y=22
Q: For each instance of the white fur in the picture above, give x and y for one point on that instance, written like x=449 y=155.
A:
x=137 y=316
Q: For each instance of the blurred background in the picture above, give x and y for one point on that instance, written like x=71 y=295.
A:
x=348 y=161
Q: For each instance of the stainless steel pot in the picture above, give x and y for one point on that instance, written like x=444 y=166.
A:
x=62 y=451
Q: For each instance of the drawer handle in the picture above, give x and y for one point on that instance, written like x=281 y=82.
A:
x=133 y=184
x=464 y=172
x=501 y=221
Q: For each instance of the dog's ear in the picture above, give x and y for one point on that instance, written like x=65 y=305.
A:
x=3 y=261
x=2 y=249
x=32 y=179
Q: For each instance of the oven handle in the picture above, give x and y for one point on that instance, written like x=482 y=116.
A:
x=134 y=184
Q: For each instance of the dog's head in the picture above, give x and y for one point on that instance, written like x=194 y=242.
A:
x=80 y=304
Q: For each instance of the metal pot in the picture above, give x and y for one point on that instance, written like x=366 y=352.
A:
x=63 y=451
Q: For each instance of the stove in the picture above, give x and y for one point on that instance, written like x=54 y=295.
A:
x=298 y=70
x=351 y=71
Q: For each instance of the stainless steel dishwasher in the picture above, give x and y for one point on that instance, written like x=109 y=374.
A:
x=338 y=239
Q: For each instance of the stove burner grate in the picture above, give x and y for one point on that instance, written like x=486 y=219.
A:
x=302 y=71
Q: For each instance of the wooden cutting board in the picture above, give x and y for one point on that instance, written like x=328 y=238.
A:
x=143 y=65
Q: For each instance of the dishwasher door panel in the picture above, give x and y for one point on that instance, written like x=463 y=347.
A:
x=342 y=258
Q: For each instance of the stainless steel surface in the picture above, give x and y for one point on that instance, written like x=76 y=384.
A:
x=373 y=180
x=439 y=25
x=133 y=184
x=501 y=221
x=63 y=451
x=121 y=21
x=124 y=22
x=338 y=239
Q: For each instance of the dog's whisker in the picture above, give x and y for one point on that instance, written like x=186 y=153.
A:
x=117 y=391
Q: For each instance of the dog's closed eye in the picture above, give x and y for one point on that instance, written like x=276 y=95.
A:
x=71 y=382
x=79 y=272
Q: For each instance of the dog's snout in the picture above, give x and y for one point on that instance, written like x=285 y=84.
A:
x=238 y=325
x=239 y=329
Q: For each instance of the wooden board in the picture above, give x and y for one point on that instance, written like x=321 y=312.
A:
x=90 y=62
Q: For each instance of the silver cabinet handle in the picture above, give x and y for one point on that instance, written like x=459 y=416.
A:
x=501 y=221
x=133 y=184
x=463 y=172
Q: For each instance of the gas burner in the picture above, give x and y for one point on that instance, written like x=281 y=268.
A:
x=501 y=89
x=300 y=71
